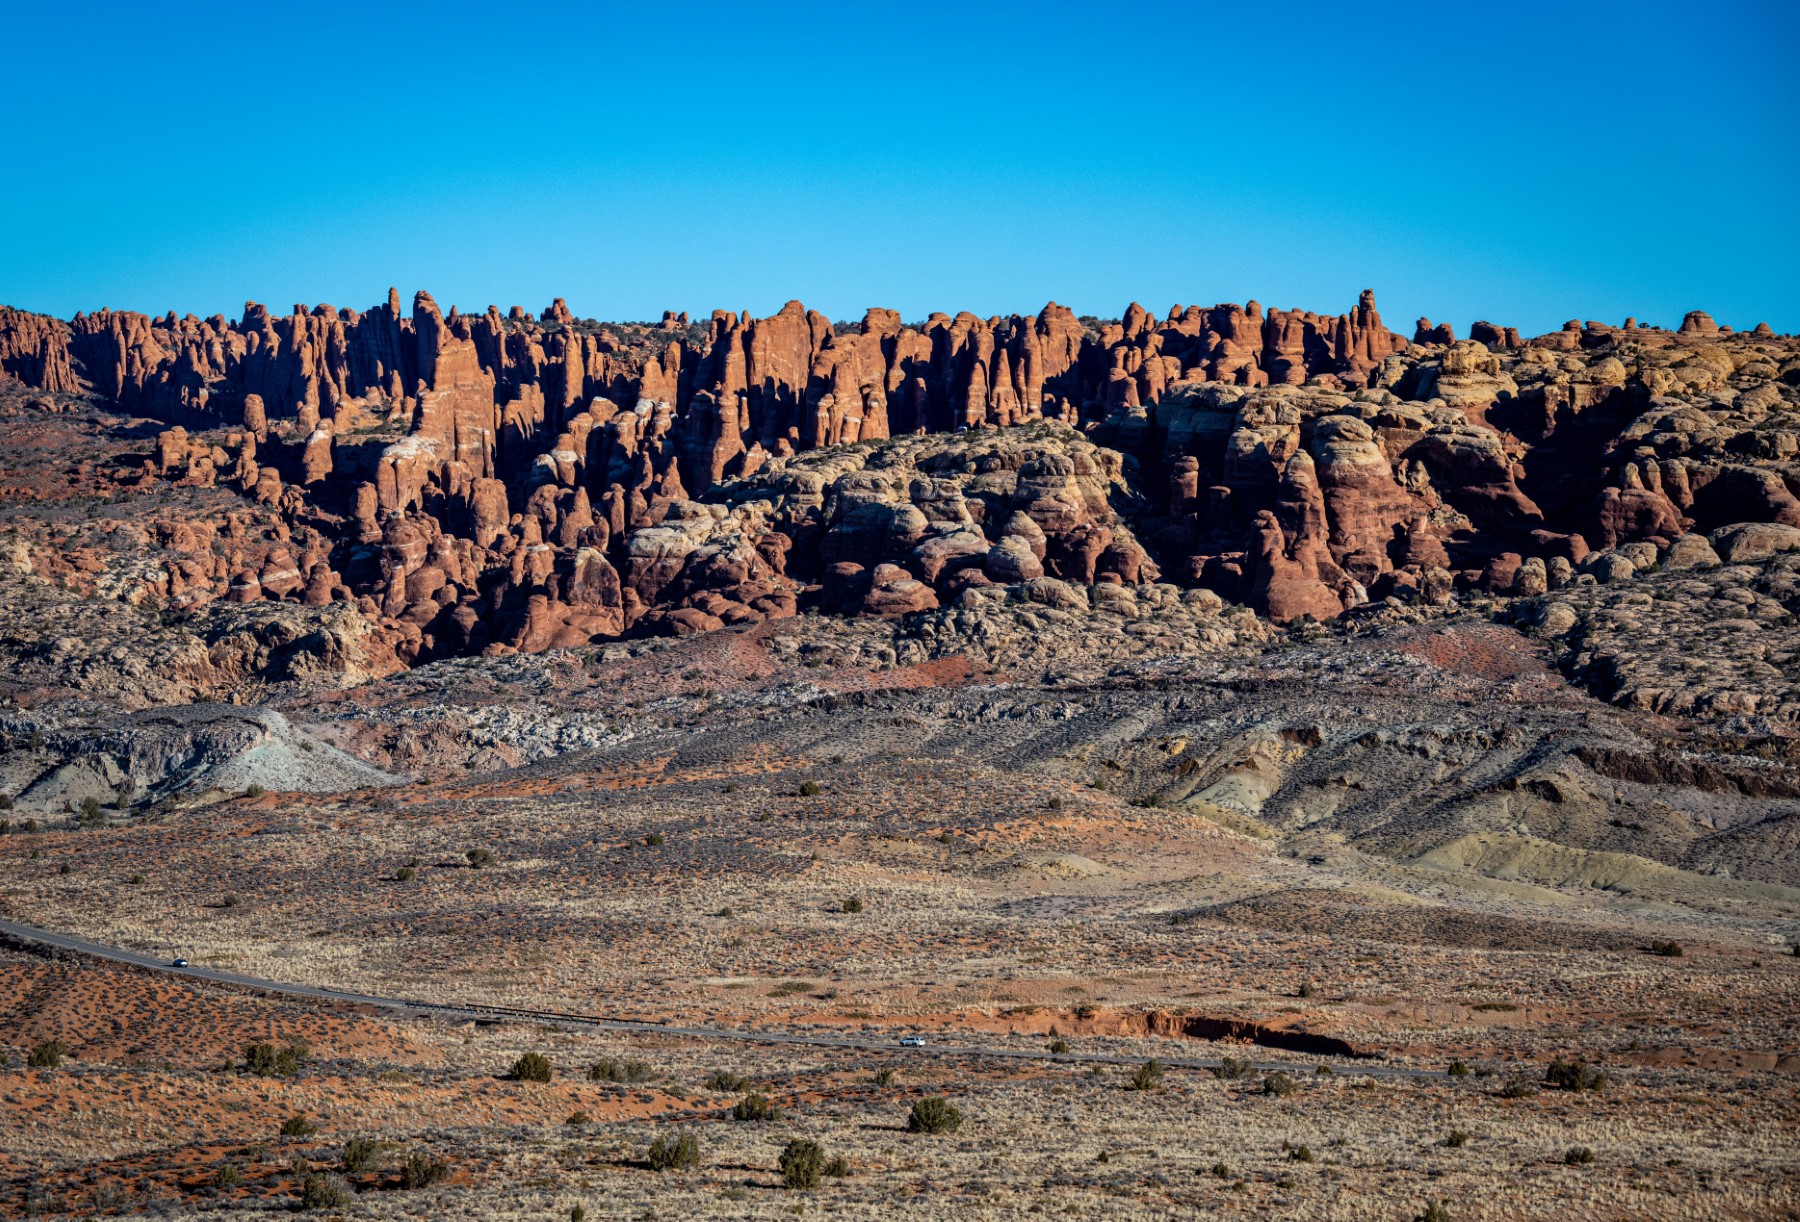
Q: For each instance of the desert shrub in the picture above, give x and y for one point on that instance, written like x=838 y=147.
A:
x=267 y=1061
x=635 y=1071
x=1147 y=1076
x=1573 y=1075
x=675 y=1152
x=1578 y=1156
x=579 y=1118
x=1518 y=1088
x=725 y=1080
x=654 y=840
x=1231 y=1068
x=46 y=1054
x=837 y=1167
x=231 y=901
x=1058 y=1046
x=90 y=815
x=136 y=880
x=1458 y=1070
x=532 y=1067
x=319 y=1191
x=885 y=1076
x=801 y=1163
x=1457 y=1139
x=6 y=802
x=1668 y=950
x=420 y=1170
x=1307 y=990
x=809 y=789
x=361 y=1154
x=1435 y=1211
x=229 y=1175
x=65 y=868
x=853 y=905
x=479 y=858
x=1221 y=1171
x=298 y=1126
x=1324 y=1071
x=1279 y=1085
x=406 y=874
x=755 y=1106
x=577 y=1214
x=1300 y=1154
x=254 y=791
x=934 y=1115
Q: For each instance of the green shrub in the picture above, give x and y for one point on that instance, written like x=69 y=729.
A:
x=1221 y=1171
x=1518 y=1088
x=532 y=1067
x=46 y=1054
x=1147 y=1076
x=606 y=1069
x=837 y=1167
x=266 y=1061
x=1458 y=1070
x=1573 y=1075
x=654 y=840
x=1668 y=950
x=361 y=1154
x=479 y=858
x=1300 y=1154
x=1058 y=1046
x=254 y=791
x=1279 y=1085
x=725 y=1080
x=420 y=1170
x=1578 y=1156
x=885 y=1076
x=934 y=1115
x=406 y=874
x=228 y=1176
x=755 y=1106
x=1231 y=1068
x=298 y=1126
x=90 y=815
x=579 y=1118
x=853 y=905
x=809 y=789
x=320 y=1191
x=801 y=1163
x=1457 y=1139
x=675 y=1152
x=1307 y=990
x=1435 y=1211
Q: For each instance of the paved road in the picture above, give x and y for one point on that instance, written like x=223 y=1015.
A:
x=594 y=1022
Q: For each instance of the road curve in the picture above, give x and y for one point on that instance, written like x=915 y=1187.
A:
x=594 y=1022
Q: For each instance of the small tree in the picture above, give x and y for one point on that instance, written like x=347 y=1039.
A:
x=934 y=1115
x=1147 y=1076
x=266 y=1061
x=319 y=1191
x=361 y=1154
x=532 y=1067
x=801 y=1163
x=675 y=1152
x=853 y=904
x=1435 y=1211
x=1279 y=1085
x=47 y=1054
x=422 y=1171
x=755 y=1106
x=1458 y=1070
x=1573 y=1075
x=90 y=815
x=298 y=1126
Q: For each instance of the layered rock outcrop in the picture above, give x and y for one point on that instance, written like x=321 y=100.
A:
x=516 y=482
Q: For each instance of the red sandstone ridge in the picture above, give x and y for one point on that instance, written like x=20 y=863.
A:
x=502 y=481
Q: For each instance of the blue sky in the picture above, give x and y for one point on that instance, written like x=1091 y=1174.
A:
x=1522 y=163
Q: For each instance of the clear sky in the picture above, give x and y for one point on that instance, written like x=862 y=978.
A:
x=1525 y=163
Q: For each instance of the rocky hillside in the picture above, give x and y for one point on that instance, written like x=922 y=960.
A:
x=343 y=494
